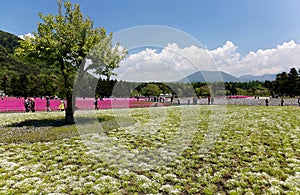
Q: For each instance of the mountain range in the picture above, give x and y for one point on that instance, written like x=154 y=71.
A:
x=214 y=76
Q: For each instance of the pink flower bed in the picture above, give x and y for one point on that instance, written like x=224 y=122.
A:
x=239 y=96
x=13 y=104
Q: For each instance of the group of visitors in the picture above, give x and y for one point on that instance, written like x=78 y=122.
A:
x=281 y=101
x=61 y=106
x=29 y=104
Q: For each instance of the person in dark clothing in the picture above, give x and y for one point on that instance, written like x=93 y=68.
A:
x=267 y=102
x=48 y=104
x=96 y=104
x=32 y=105
x=195 y=100
x=282 y=101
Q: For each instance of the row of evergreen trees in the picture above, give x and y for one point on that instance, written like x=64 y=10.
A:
x=286 y=84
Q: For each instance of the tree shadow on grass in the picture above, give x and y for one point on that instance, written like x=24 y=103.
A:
x=39 y=123
x=59 y=122
x=45 y=130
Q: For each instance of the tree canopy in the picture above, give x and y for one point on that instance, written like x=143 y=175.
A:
x=64 y=41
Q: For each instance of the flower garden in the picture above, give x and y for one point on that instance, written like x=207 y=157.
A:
x=257 y=151
x=13 y=104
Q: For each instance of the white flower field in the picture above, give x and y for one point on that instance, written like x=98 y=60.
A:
x=162 y=150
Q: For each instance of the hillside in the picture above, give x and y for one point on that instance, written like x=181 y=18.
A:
x=9 y=41
x=8 y=61
x=19 y=78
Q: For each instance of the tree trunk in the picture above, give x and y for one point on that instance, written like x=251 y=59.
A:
x=69 y=111
x=69 y=114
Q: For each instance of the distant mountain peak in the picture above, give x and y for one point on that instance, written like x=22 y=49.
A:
x=247 y=78
x=215 y=76
x=209 y=76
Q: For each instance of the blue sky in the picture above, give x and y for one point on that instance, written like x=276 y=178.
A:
x=249 y=24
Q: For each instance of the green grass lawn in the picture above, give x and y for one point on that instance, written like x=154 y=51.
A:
x=162 y=150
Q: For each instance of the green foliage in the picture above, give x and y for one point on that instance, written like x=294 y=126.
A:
x=253 y=88
x=105 y=88
x=288 y=84
x=65 y=40
x=151 y=90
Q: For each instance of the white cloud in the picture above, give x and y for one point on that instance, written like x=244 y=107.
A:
x=27 y=35
x=174 y=63
x=274 y=60
x=226 y=57
x=171 y=64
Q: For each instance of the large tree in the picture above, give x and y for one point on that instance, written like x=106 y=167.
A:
x=151 y=89
x=64 y=41
x=293 y=82
x=281 y=83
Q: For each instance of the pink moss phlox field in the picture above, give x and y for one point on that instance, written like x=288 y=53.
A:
x=13 y=104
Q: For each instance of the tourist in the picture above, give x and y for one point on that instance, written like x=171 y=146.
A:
x=267 y=102
x=48 y=104
x=32 y=105
x=172 y=98
x=96 y=103
x=27 y=104
x=195 y=100
x=61 y=106
x=282 y=101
